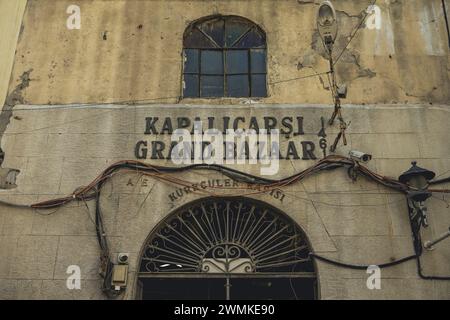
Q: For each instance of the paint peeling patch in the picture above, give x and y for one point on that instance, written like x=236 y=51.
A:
x=307 y=61
x=384 y=39
x=14 y=98
x=430 y=31
x=7 y=175
x=366 y=73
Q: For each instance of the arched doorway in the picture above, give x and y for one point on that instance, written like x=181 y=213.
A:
x=226 y=248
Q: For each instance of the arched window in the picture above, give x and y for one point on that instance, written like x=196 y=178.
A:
x=224 y=56
x=227 y=248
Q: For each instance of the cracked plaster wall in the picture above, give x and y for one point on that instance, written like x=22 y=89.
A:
x=58 y=148
x=406 y=61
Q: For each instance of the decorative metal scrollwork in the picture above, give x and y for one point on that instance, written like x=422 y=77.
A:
x=229 y=235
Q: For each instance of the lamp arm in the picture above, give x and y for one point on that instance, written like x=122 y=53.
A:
x=430 y=244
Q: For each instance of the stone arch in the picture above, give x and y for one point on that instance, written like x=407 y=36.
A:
x=228 y=238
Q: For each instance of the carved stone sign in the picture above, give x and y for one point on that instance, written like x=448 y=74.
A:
x=290 y=128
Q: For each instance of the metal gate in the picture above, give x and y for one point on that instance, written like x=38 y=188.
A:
x=221 y=243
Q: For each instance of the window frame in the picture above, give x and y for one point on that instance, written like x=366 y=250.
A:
x=224 y=50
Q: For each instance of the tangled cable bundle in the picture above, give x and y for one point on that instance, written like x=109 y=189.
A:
x=90 y=191
x=248 y=181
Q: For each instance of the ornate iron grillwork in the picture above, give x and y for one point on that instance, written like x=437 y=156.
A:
x=230 y=235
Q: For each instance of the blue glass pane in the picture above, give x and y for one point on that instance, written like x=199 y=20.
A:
x=215 y=29
x=211 y=62
x=253 y=39
x=196 y=39
x=237 y=86
x=259 y=88
x=212 y=86
x=237 y=61
x=258 y=60
x=234 y=29
x=190 y=86
x=191 y=61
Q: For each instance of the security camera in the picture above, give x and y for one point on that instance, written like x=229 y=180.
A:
x=122 y=258
x=342 y=91
x=8 y=178
x=360 y=156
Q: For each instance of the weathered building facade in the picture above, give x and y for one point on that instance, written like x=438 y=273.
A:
x=80 y=100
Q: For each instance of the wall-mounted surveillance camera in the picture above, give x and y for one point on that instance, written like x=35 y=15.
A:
x=360 y=156
x=122 y=258
x=8 y=178
x=342 y=91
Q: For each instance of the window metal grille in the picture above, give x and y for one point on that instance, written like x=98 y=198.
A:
x=227 y=236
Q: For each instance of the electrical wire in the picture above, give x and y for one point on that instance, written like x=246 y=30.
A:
x=361 y=267
x=292 y=285
x=148 y=100
x=426 y=277
x=86 y=105
x=331 y=162
x=93 y=191
x=353 y=34
x=14 y=205
x=440 y=181
x=415 y=224
x=299 y=78
x=444 y=7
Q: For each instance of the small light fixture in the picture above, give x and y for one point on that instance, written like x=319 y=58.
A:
x=327 y=24
x=418 y=178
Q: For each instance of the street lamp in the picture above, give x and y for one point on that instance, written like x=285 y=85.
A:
x=418 y=178
x=327 y=25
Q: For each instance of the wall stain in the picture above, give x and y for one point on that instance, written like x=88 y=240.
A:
x=13 y=99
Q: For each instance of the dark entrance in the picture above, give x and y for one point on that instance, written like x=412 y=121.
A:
x=227 y=248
